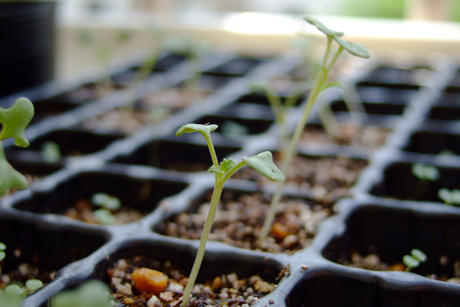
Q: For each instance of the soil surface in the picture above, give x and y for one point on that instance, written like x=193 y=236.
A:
x=223 y=290
x=23 y=273
x=149 y=111
x=370 y=137
x=83 y=210
x=239 y=221
x=326 y=179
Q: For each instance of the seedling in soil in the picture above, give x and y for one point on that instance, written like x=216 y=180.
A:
x=14 y=120
x=262 y=163
x=320 y=84
x=414 y=259
x=108 y=205
x=92 y=293
x=50 y=152
x=450 y=197
x=424 y=173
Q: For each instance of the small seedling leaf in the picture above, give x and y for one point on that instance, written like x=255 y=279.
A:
x=14 y=289
x=444 y=194
x=189 y=128
x=51 y=152
x=263 y=163
x=91 y=294
x=106 y=201
x=2 y=255
x=410 y=261
x=215 y=169
x=320 y=26
x=353 y=48
x=430 y=172
x=418 y=254
x=455 y=196
x=104 y=216
x=2 y=246
x=15 y=120
x=34 y=284
x=227 y=165
x=9 y=177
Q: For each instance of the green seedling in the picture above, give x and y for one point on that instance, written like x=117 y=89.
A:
x=93 y=293
x=262 y=163
x=2 y=251
x=414 y=259
x=108 y=205
x=424 y=173
x=50 y=152
x=14 y=120
x=320 y=84
x=104 y=52
x=450 y=197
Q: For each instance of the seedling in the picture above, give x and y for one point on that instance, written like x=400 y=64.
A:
x=50 y=152
x=450 y=197
x=108 y=205
x=414 y=259
x=320 y=84
x=424 y=173
x=262 y=163
x=14 y=120
x=93 y=293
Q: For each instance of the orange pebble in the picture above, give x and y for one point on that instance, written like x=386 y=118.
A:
x=150 y=281
x=397 y=267
x=279 y=231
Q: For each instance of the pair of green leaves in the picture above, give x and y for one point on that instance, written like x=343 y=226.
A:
x=262 y=163
x=14 y=120
x=353 y=48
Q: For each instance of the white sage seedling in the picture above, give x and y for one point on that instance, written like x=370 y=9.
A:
x=414 y=259
x=262 y=163
x=320 y=84
x=107 y=204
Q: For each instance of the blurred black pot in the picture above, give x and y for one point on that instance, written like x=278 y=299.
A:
x=27 y=48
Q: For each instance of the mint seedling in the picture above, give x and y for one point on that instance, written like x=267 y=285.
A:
x=414 y=259
x=262 y=163
x=320 y=84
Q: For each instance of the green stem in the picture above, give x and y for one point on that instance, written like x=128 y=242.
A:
x=204 y=237
x=212 y=151
x=320 y=80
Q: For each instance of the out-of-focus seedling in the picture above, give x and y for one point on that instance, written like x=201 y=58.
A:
x=320 y=84
x=414 y=259
x=108 y=205
x=50 y=152
x=14 y=120
x=424 y=173
x=262 y=163
x=450 y=197
x=92 y=293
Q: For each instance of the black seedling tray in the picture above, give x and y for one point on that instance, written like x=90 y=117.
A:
x=380 y=213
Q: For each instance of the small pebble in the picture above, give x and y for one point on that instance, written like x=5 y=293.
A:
x=167 y=296
x=153 y=301
x=151 y=281
x=263 y=286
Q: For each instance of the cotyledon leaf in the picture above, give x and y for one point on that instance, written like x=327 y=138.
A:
x=9 y=177
x=189 y=128
x=15 y=120
x=353 y=48
x=320 y=26
x=263 y=163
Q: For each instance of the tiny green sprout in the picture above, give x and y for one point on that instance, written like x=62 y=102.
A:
x=450 y=197
x=50 y=152
x=262 y=163
x=414 y=259
x=320 y=84
x=92 y=293
x=33 y=285
x=108 y=204
x=2 y=251
x=106 y=201
x=425 y=171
